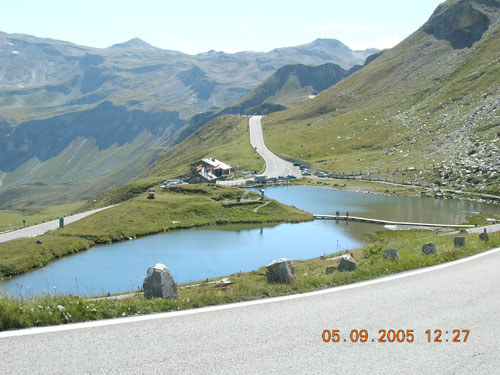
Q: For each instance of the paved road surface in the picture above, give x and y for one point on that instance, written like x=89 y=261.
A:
x=284 y=335
x=37 y=230
x=275 y=166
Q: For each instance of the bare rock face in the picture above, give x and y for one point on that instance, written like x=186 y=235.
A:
x=347 y=263
x=429 y=248
x=281 y=271
x=461 y=23
x=159 y=283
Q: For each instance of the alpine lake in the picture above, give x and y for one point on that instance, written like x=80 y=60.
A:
x=208 y=252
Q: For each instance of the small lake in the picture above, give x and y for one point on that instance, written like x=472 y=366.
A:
x=213 y=251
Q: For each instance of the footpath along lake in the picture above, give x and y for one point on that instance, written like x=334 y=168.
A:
x=196 y=254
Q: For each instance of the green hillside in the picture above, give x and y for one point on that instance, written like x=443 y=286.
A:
x=429 y=100
x=226 y=138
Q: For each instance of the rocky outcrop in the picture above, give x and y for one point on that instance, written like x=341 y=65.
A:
x=281 y=271
x=461 y=23
x=159 y=283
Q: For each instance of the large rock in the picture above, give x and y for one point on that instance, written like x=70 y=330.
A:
x=347 y=263
x=484 y=236
x=280 y=271
x=391 y=253
x=459 y=241
x=159 y=283
x=429 y=248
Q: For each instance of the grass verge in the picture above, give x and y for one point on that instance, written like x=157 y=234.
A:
x=311 y=275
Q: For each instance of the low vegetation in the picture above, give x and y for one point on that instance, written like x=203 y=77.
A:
x=311 y=275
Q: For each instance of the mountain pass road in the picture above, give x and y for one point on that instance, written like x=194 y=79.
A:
x=275 y=166
x=285 y=334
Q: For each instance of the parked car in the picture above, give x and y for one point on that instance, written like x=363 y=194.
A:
x=272 y=179
x=297 y=163
x=260 y=179
x=306 y=172
x=321 y=174
x=302 y=167
x=291 y=176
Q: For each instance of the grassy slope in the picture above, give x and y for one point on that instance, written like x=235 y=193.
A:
x=13 y=219
x=226 y=138
x=181 y=207
x=421 y=102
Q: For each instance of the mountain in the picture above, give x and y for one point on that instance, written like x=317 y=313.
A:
x=40 y=78
x=77 y=115
x=288 y=86
x=431 y=100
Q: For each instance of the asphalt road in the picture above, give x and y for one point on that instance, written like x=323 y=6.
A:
x=37 y=230
x=275 y=166
x=284 y=335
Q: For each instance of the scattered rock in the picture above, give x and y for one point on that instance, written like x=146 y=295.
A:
x=459 y=241
x=484 y=236
x=347 y=263
x=391 y=253
x=429 y=248
x=38 y=242
x=159 y=283
x=280 y=271
x=330 y=269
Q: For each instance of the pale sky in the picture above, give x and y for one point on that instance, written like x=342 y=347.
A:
x=193 y=26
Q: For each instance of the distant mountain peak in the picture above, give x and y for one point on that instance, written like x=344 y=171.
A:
x=135 y=43
x=328 y=42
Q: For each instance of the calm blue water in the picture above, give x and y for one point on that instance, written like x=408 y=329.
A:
x=197 y=254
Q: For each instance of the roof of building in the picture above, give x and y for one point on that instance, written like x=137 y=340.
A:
x=214 y=162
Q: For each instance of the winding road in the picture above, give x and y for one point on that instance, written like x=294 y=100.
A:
x=275 y=166
x=284 y=335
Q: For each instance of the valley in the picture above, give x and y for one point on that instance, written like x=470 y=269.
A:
x=84 y=128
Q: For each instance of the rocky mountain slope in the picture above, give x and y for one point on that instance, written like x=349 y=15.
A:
x=431 y=100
